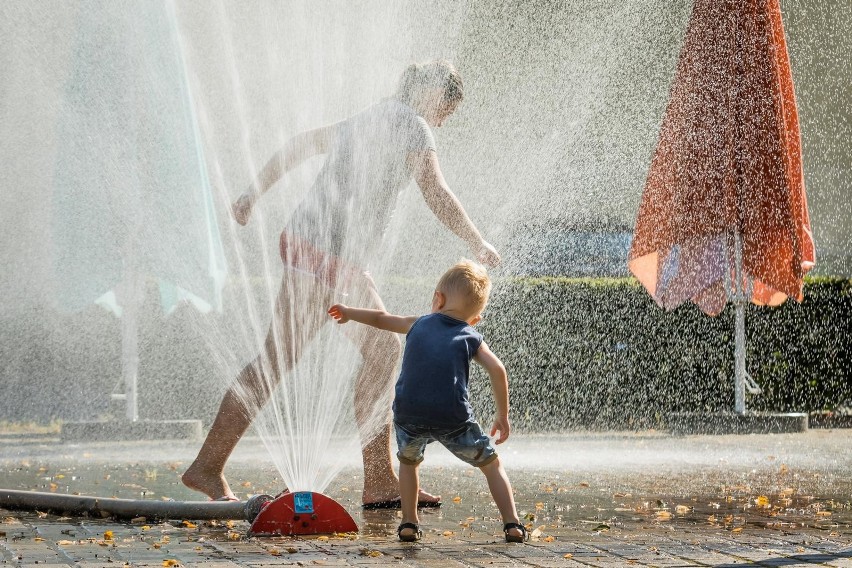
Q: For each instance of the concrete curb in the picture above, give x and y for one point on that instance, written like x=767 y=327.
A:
x=685 y=423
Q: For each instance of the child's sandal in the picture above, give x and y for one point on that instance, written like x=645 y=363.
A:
x=512 y=538
x=413 y=537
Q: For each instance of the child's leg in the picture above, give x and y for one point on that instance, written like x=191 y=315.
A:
x=501 y=491
x=380 y=351
x=409 y=487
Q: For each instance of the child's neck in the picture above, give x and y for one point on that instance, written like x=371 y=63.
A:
x=455 y=314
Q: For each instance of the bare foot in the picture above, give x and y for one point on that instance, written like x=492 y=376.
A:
x=515 y=533
x=212 y=484
x=369 y=497
x=424 y=497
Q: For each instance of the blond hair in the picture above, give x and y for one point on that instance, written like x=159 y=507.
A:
x=418 y=77
x=469 y=281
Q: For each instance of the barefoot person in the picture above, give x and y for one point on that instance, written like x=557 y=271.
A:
x=432 y=402
x=333 y=237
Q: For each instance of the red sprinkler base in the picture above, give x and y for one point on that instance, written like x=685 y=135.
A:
x=300 y=513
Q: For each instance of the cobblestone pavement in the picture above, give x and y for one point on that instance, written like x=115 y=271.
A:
x=616 y=500
x=30 y=540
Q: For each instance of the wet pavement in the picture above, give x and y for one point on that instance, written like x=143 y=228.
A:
x=596 y=499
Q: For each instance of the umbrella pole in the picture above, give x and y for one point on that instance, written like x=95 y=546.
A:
x=739 y=359
x=739 y=327
x=131 y=299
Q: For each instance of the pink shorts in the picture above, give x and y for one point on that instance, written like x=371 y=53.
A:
x=327 y=268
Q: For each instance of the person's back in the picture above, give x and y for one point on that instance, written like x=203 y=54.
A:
x=355 y=193
x=432 y=389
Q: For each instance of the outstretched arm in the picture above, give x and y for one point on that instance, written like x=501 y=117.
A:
x=376 y=318
x=447 y=208
x=295 y=151
x=500 y=387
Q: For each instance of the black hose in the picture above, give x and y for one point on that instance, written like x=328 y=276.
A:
x=77 y=505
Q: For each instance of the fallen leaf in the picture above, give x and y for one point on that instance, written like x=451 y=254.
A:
x=663 y=515
x=762 y=501
x=456 y=499
x=168 y=562
x=682 y=510
x=107 y=535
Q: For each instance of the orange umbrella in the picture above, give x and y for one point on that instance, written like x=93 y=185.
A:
x=724 y=212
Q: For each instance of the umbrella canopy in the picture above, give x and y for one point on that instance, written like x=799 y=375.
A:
x=131 y=195
x=726 y=178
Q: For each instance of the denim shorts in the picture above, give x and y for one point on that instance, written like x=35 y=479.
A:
x=467 y=442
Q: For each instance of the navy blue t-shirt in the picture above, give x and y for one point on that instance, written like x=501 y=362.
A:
x=432 y=386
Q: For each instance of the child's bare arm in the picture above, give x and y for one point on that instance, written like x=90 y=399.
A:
x=500 y=386
x=376 y=318
x=448 y=209
x=295 y=151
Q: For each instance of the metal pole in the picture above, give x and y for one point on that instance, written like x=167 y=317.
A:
x=130 y=346
x=739 y=360
x=739 y=328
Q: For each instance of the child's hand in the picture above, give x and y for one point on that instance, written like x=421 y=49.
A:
x=501 y=424
x=241 y=209
x=339 y=312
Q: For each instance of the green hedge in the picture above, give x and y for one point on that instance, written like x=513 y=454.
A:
x=601 y=354
x=580 y=354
